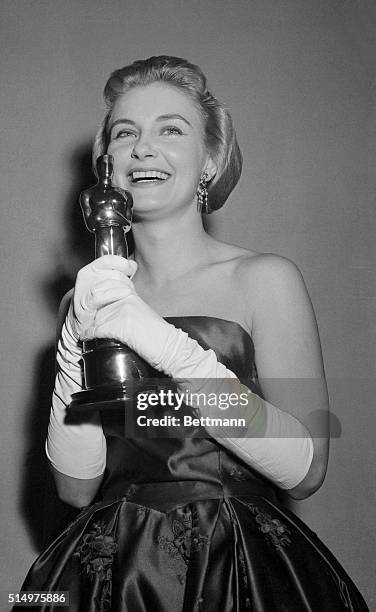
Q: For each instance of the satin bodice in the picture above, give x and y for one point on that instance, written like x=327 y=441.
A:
x=134 y=461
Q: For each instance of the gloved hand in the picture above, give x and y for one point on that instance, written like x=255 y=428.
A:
x=97 y=284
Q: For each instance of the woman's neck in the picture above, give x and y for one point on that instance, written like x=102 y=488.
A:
x=167 y=248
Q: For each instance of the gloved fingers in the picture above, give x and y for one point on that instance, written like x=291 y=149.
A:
x=109 y=291
x=111 y=320
x=86 y=289
x=102 y=329
x=89 y=276
x=110 y=262
x=101 y=282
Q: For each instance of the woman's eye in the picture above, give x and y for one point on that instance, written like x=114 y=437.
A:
x=123 y=134
x=171 y=130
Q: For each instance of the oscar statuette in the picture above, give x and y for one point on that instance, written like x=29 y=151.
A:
x=111 y=370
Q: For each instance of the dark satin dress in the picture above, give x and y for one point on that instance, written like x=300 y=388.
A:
x=182 y=525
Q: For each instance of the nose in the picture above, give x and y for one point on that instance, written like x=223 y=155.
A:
x=143 y=148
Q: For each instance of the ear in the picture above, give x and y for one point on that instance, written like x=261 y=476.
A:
x=210 y=168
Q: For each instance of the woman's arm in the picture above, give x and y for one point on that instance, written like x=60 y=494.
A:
x=77 y=451
x=70 y=440
x=288 y=355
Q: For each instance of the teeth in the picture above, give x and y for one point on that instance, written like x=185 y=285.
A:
x=138 y=175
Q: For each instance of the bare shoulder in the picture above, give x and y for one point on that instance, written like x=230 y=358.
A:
x=258 y=267
x=261 y=280
x=268 y=274
x=273 y=292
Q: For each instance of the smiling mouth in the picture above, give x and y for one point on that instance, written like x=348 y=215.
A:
x=147 y=176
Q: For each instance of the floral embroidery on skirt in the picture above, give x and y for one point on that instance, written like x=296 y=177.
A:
x=96 y=553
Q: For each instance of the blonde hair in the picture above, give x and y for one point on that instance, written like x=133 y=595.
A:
x=220 y=137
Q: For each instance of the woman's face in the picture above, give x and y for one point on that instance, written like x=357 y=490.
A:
x=157 y=141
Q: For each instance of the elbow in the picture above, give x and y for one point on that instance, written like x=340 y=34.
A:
x=314 y=477
x=76 y=492
x=77 y=500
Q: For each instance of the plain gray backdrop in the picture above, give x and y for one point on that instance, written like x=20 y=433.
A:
x=299 y=79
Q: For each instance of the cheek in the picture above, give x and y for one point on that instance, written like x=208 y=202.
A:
x=117 y=151
x=191 y=158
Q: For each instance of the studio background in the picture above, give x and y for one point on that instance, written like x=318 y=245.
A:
x=299 y=79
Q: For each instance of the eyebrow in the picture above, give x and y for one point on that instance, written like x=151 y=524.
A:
x=173 y=116
x=160 y=118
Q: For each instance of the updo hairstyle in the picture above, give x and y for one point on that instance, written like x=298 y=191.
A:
x=220 y=137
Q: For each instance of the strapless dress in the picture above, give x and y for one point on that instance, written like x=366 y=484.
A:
x=182 y=525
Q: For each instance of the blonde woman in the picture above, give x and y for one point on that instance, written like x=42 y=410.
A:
x=190 y=522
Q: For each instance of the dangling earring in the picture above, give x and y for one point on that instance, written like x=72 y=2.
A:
x=202 y=195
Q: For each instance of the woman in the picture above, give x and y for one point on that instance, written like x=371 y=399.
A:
x=190 y=522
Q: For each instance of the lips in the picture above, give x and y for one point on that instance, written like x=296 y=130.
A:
x=147 y=176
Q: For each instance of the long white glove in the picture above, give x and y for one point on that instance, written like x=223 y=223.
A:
x=285 y=450
x=78 y=450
